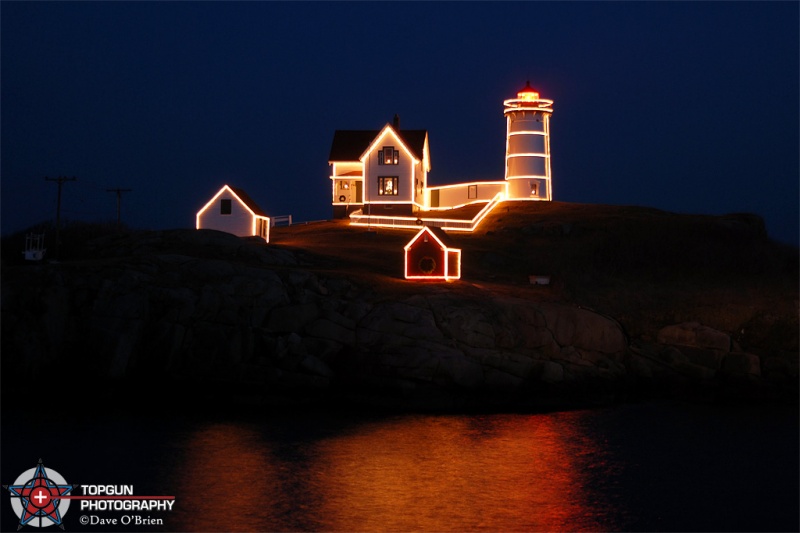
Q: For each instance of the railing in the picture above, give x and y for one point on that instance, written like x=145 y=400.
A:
x=281 y=220
x=358 y=219
x=499 y=197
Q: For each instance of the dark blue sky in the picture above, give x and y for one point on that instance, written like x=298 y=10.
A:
x=689 y=107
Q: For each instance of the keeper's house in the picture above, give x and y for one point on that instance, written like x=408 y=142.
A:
x=231 y=210
x=385 y=169
x=430 y=255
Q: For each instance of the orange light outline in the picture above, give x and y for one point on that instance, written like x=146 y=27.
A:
x=412 y=224
x=446 y=276
x=528 y=154
x=463 y=184
x=386 y=129
x=521 y=104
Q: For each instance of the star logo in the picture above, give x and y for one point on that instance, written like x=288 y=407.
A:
x=36 y=497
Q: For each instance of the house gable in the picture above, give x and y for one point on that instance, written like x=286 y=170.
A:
x=393 y=169
x=388 y=135
x=352 y=145
x=439 y=236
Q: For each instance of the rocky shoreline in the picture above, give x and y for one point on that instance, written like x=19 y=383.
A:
x=233 y=320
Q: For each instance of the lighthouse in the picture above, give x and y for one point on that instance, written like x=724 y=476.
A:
x=528 y=146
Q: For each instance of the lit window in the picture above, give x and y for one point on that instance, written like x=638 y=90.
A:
x=472 y=191
x=388 y=156
x=387 y=185
x=344 y=185
x=534 y=189
x=225 y=207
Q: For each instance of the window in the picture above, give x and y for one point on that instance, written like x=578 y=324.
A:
x=388 y=156
x=472 y=191
x=225 y=207
x=534 y=189
x=387 y=185
x=344 y=185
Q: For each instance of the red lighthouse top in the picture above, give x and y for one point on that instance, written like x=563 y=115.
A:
x=527 y=99
x=527 y=93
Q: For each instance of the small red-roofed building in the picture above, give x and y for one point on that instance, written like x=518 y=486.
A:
x=431 y=256
x=231 y=210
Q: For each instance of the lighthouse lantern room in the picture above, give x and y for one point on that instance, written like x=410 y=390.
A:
x=528 y=173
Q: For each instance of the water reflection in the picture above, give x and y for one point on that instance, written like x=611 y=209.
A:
x=415 y=473
x=226 y=481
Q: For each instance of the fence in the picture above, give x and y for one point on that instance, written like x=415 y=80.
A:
x=359 y=219
x=281 y=220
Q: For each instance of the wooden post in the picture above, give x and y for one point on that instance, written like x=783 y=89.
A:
x=60 y=180
x=119 y=202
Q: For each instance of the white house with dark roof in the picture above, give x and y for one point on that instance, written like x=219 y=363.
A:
x=381 y=171
x=233 y=211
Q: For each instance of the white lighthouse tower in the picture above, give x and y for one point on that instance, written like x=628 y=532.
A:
x=528 y=146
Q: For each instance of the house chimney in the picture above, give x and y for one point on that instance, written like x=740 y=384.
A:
x=396 y=122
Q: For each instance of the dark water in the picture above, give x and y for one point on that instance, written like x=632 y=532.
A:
x=664 y=467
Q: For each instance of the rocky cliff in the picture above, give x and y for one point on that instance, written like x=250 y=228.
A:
x=184 y=312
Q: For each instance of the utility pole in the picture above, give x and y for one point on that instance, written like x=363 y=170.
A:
x=119 y=202
x=60 y=180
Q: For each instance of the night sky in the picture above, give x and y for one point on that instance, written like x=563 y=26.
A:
x=688 y=107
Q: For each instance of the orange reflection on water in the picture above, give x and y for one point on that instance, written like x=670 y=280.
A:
x=415 y=473
x=507 y=473
x=226 y=469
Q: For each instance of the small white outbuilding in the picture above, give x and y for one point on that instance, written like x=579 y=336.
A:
x=231 y=210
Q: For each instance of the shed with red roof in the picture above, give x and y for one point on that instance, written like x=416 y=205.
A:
x=430 y=255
